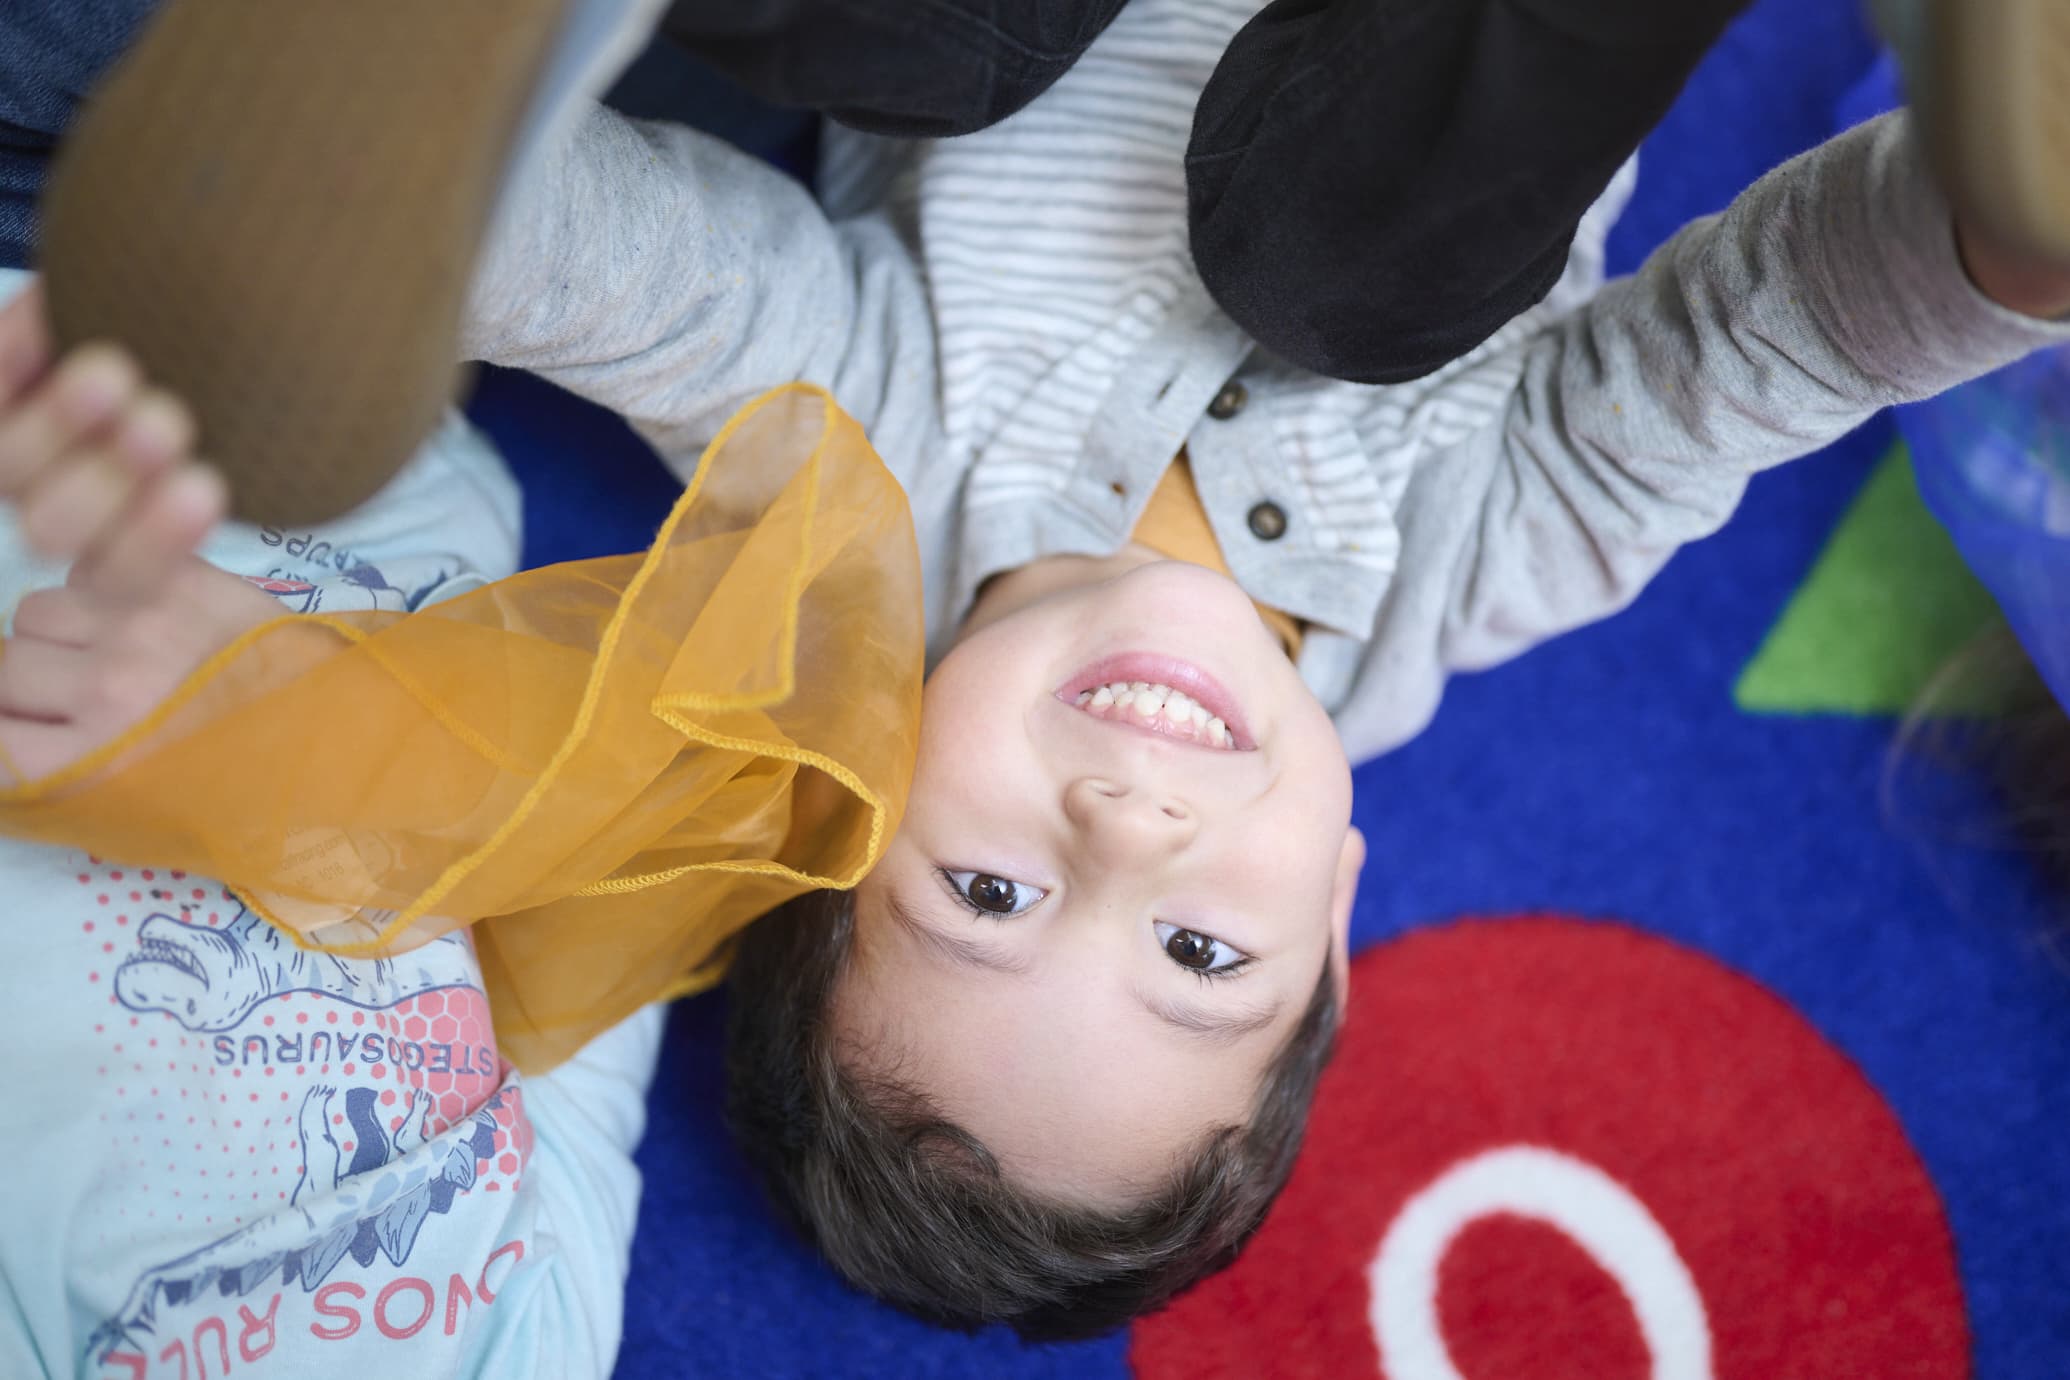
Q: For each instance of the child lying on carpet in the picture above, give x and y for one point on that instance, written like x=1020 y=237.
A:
x=965 y=1082
x=1049 y=1062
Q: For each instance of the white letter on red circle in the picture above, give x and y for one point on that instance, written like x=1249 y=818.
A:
x=1592 y=1209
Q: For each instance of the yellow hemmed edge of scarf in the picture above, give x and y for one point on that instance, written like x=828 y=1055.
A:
x=607 y=767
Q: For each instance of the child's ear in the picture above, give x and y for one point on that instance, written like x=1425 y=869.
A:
x=1342 y=893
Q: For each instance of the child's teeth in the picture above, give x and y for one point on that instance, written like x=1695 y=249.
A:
x=1147 y=701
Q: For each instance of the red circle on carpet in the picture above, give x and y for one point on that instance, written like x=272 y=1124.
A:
x=1542 y=1137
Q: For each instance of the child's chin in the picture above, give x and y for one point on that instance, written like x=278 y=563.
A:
x=1169 y=590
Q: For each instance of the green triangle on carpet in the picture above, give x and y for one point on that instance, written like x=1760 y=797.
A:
x=1886 y=610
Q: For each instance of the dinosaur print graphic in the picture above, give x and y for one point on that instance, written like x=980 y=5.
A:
x=340 y=582
x=210 y=979
x=371 y=1203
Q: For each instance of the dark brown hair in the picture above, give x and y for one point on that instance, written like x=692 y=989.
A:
x=2019 y=753
x=913 y=1209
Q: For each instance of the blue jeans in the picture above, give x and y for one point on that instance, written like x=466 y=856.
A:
x=51 y=54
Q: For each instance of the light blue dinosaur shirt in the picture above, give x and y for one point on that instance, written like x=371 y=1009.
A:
x=223 y=1156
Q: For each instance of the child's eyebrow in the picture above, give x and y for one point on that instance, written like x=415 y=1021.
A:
x=967 y=953
x=1222 y=1027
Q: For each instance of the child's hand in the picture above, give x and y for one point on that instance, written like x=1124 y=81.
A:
x=88 y=451
x=100 y=472
x=2020 y=281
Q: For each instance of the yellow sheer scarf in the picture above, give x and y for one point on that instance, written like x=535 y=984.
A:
x=611 y=766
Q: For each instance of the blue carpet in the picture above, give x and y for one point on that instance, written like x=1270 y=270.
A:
x=1607 y=774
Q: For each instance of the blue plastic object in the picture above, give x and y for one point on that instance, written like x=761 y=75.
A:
x=1993 y=462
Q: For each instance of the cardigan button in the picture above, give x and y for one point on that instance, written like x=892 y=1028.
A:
x=1267 y=521
x=1229 y=401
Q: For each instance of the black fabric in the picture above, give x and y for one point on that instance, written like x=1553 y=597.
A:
x=919 y=68
x=1376 y=186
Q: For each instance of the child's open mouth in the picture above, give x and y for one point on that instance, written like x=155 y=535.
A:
x=1160 y=695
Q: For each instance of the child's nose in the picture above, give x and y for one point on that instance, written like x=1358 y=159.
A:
x=1127 y=822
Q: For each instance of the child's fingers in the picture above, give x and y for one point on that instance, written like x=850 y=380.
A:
x=169 y=516
x=25 y=345
x=80 y=503
x=156 y=430
x=30 y=749
x=58 y=614
x=34 y=742
x=74 y=504
x=93 y=385
x=42 y=680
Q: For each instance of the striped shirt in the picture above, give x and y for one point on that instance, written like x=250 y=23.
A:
x=1079 y=350
x=1014 y=317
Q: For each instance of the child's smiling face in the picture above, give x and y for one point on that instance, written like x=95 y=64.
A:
x=1096 y=928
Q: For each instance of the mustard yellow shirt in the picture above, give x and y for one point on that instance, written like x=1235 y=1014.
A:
x=1176 y=525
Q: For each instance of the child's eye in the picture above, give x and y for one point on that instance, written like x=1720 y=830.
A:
x=982 y=891
x=1199 y=953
